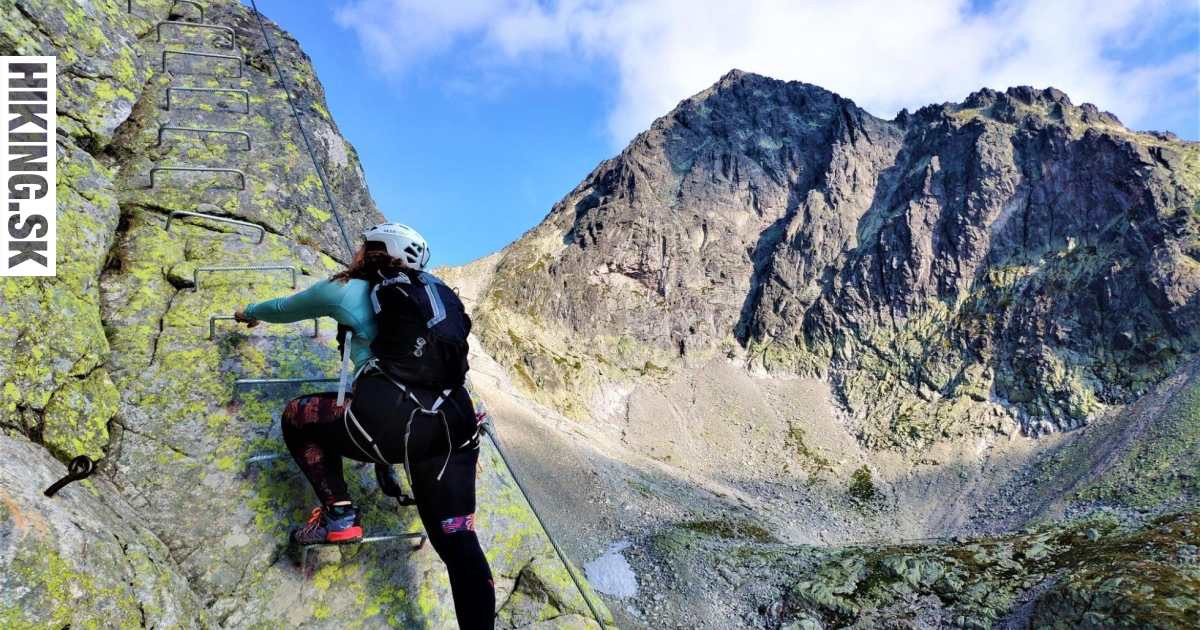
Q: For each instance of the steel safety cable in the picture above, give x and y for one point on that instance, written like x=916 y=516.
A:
x=488 y=427
x=300 y=123
x=491 y=432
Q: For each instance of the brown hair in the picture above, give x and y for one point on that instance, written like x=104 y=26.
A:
x=375 y=259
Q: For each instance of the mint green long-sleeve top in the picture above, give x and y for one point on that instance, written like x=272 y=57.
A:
x=348 y=303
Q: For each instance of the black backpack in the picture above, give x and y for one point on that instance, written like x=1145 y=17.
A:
x=423 y=328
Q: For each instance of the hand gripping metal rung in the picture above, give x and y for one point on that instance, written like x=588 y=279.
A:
x=196 y=273
x=202 y=54
x=232 y=132
x=195 y=4
x=200 y=169
x=212 y=325
x=262 y=232
x=211 y=27
x=245 y=93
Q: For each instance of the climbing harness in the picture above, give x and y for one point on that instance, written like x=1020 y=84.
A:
x=81 y=467
x=345 y=371
x=431 y=411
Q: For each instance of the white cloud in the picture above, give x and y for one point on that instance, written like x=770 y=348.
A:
x=883 y=54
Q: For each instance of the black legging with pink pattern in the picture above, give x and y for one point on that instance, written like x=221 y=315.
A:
x=315 y=431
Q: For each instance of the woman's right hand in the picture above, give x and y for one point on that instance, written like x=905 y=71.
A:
x=240 y=316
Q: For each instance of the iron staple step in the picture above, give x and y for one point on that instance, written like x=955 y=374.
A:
x=262 y=232
x=200 y=169
x=212 y=27
x=192 y=53
x=165 y=128
x=211 y=268
x=180 y=88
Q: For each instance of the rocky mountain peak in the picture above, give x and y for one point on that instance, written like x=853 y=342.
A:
x=1016 y=104
x=985 y=257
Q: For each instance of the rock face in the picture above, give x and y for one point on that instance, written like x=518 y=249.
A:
x=1102 y=572
x=1011 y=259
x=113 y=358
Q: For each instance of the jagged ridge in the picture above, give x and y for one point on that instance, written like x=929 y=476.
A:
x=1014 y=262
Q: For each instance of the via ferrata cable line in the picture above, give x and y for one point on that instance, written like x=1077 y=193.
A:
x=304 y=134
x=490 y=429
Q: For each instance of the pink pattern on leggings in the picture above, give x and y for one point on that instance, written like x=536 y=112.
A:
x=459 y=524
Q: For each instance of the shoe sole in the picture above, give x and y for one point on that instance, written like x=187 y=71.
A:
x=350 y=536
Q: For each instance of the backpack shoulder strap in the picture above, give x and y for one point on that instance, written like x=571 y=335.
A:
x=435 y=298
x=399 y=278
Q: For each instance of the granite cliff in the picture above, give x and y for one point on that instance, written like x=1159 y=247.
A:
x=112 y=358
x=1011 y=260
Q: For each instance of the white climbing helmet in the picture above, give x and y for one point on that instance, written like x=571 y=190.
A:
x=402 y=242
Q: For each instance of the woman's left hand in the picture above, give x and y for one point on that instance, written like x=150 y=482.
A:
x=240 y=316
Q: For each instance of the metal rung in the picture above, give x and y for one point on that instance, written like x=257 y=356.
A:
x=212 y=325
x=237 y=383
x=262 y=232
x=212 y=27
x=233 y=132
x=365 y=541
x=244 y=93
x=199 y=169
x=196 y=272
x=405 y=536
x=265 y=457
x=277 y=381
x=271 y=381
x=179 y=2
x=202 y=54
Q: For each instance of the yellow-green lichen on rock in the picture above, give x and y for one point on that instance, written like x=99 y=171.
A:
x=77 y=560
x=1099 y=572
x=113 y=357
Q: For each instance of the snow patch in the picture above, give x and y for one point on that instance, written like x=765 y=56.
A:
x=611 y=574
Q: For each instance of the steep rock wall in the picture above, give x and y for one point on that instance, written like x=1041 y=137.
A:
x=113 y=359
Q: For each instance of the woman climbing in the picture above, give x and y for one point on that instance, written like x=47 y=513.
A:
x=408 y=405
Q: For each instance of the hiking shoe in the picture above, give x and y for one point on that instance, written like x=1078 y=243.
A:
x=336 y=524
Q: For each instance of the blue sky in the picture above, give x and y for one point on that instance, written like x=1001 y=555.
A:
x=473 y=117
